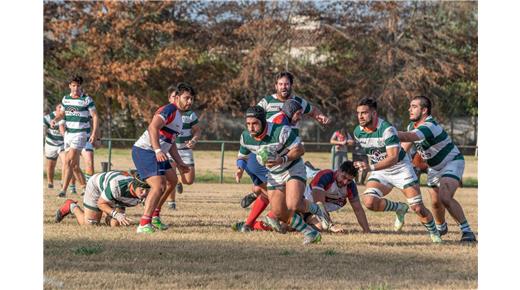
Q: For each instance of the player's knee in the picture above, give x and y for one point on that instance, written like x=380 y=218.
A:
x=416 y=204
x=371 y=197
x=92 y=222
x=446 y=199
x=292 y=205
x=369 y=202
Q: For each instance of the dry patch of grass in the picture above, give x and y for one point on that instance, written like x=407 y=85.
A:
x=201 y=251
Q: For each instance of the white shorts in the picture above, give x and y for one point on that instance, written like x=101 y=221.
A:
x=187 y=156
x=329 y=206
x=76 y=140
x=92 y=193
x=400 y=175
x=52 y=152
x=454 y=169
x=278 y=180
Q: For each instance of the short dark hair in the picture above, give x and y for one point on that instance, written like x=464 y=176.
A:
x=286 y=74
x=76 y=79
x=348 y=168
x=425 y=103
x=371 y=103
x=180 y=88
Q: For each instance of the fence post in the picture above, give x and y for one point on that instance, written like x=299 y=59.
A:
x=109 y=154
x=222 y=162
x=333 y=155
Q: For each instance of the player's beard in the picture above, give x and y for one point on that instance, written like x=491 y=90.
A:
x=257 y=133
x=415 y=119
x=285 y=93
x=367 y=121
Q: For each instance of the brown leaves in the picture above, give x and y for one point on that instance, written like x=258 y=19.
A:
x=132 y=51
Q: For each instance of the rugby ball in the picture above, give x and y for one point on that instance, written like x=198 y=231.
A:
x=264 y=154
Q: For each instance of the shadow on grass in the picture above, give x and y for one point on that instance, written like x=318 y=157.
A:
x=232 y=263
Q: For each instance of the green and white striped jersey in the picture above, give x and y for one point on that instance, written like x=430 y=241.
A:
x=375 y=143
x=189 y=119
x=114 y=188
x=272 y=105
x=435 y=145
x=52 y=135
x=278 y=138
x=77 y=113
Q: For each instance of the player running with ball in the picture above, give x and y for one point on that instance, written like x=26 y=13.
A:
x=286 y=171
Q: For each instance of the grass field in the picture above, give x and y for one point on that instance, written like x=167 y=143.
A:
x=201 y=251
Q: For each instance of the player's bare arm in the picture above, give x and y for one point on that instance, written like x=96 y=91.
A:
x=333 y=140
x=360 y=215
x=319 y=116
x=95 y=126
x=392 y=156
x=196 y=131
x=153 y=129
x=406 y=146
x=174 y=153
x=59 y=116
x=293 y=154
x=407 y=136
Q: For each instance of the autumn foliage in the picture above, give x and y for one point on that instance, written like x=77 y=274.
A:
x=130 y=52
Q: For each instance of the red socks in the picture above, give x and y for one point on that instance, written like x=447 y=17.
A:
x=258 y=207
x=145 y=219
x=156 y=212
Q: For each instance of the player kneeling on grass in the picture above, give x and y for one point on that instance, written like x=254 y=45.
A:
x=109 y=193
x=333 y=188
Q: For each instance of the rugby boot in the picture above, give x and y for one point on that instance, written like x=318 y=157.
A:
x=436 y=238
x=156 y=223
x=63 y=211
x=146 y=229
x=248 y=200
x=179 y=188
x=468 y=237
x=313 y=237
x=399 y=219
x=274 y=224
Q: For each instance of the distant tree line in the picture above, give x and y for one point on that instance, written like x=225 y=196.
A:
x=130 y=52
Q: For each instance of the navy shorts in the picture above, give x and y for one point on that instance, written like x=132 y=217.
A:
x=146 y=163
x=257 y=172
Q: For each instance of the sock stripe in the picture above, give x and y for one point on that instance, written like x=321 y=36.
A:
x=464 y=227
x=391 y=205
x=430 y=226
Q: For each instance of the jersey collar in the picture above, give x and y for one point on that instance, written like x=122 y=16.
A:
x=259 y=138
x=366 y=129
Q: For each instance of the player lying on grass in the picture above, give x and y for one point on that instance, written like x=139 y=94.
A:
x=333 y=189
x=110 y=193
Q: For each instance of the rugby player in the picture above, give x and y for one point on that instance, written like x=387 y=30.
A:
x=445 y=164
x=390 y=167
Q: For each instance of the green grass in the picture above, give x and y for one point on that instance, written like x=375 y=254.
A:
x=88 y=250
